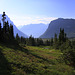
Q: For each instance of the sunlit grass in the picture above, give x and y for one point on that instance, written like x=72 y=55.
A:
x=32 y=60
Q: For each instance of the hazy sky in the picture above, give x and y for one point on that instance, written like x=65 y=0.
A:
x=23 y=12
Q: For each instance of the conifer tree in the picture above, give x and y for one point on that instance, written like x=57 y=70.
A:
x=11 y=31
x=0 y=32
x=31 y=41
x=37 y=42
x=17 y=37
x=62 y=36
x=3 y=19
x=51 y=43
x=56 y=44
x=47 y=43
x=0 y=27
x=5 y=27
x=23 y=40
x=55 y=38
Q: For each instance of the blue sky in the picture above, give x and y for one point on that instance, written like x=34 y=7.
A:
x=23 y=12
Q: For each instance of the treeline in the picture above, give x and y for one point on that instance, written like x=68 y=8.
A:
x=56 y=42
x=61 y=42
x=66 y=46
x=31 y=41
x=6 y=32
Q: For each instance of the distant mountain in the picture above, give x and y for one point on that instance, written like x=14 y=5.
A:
x=34 y=29
x=16 y=30
x=55 y=25
x=19 y=27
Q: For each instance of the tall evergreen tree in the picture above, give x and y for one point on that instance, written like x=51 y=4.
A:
x=51 y=42
x=7 y=26
x=0 y=27
x=56 y=44
x=55 y=38
x=31 y=41
x=23 y=40
x=0 y=32
x=62 y=36
x=11 y=31
x=17 y=37
x=47 y=43
x=3 y=19
x=4 y=27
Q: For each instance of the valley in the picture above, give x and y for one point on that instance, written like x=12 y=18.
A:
x=30 y=60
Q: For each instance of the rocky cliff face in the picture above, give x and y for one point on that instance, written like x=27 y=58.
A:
x=55 y=25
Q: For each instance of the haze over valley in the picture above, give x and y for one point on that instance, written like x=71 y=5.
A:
x=37 y=37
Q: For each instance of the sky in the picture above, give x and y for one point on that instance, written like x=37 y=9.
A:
x=23 y=12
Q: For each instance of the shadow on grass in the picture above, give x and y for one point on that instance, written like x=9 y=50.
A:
x=17 y=47
x=5 y=68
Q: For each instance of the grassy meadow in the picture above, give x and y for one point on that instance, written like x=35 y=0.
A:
x=30 y=60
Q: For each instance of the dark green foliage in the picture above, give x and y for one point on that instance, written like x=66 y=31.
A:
x=47 y=43
x=3 y=19
x=56 y=42
x=69 y=52
x=0 y=28
x=73 y=44
x=31 y=41
x=62 y=36
x=5 y=30
x=69 y=56
x=51 y=42
x=0 y=31
x=11 y=31
x=40 y=42
x=31 y=60
x=67 y=47
x=6 y=27
x=23 y=40
x=17 y=38
x=6 y=33
x=5 y=68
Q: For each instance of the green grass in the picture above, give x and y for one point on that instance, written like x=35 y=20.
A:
x=31 y=60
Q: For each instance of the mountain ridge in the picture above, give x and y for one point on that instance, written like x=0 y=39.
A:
x=34 y=29
x=55 y=25
x=16 y=30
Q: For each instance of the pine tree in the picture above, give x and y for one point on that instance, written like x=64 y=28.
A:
x=17 y=37
x=0 y=32
x=11 y=31
x=31 y=41
x=62 y=36
x=47 y=43
x=23 y=40
x=37 y=42
x=55 y=38
x=51 y=42
x=56 y=44
x=0 y=28
x=5 y=27
x=3 y=19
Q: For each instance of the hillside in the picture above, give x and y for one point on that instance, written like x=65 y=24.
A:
x=55 y=25
x=31 y=61
x=34 y=29
x=16 y=30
